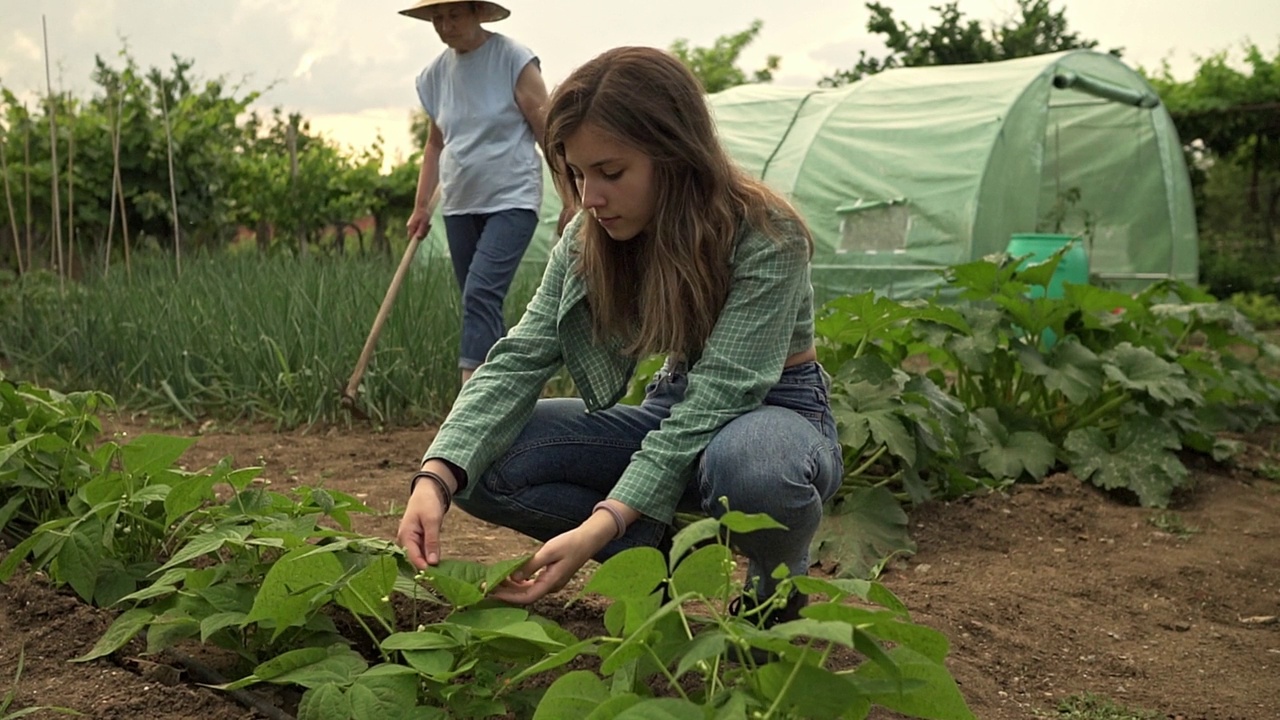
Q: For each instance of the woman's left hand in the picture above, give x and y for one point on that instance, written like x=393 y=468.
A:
x=555 y=563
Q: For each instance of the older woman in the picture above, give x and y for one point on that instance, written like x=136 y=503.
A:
x=486 y=100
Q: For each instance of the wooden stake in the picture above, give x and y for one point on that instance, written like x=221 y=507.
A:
x=26 y=181
x=173 y=192
x=71 y=196
x=115 y=176
x=124 y=226
x=291 y=139
x=53 y=152
x=8 y=198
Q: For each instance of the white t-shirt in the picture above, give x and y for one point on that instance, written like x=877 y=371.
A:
x=490 y=161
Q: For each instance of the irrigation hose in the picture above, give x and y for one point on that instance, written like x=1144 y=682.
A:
x=204 y=674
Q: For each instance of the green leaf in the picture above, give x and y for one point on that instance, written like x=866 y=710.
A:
x=424 y=640
x=10 y=509
x=207 y=543
x=491 y=618
x=740 y=522
x=1009 y=455
x=574 y=695
x=18 y=554
x=694 y=533
x=631 y=573
x=884 y=597
x=149 y=454
x=385 y=692
x=848 y=614
x=872 y=408
x=662 y=709
x=219 y=621
x=1072 y=369
x=706 y=572
x=811 y=692
x=11 y=449
x=924 y=640
x=862 y=532
x=496 y=573
x=114 y=583
x=1141 y=460
x=705 y=646
x=240 y=479
x=169 y=629
x=558 y=659
x=936 y=698
x=79 y=558
x=872 y=650
x=975 y=351
x=610 y=708
x=435 y=664
x=342 y=666
x=735 y=708
x=166 y=585
x=833 y=632
x=454 y=591
x=308 y=667
x=188 y=495
x=324 y=702
x=527 y=631
x=634 y=646
x=368 y=591
x=155 y=492
x=292 y=588
x=128 y=624
x=1141 y=370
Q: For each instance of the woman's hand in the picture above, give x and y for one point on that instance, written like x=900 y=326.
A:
x=557 y=561
x=419 y=223
x=419 y=532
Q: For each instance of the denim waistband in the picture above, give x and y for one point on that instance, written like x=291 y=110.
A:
x=806 y=373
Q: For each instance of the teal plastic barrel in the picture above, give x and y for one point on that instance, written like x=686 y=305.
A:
x=1073 y=268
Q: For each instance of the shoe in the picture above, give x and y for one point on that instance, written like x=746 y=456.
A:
x=746 y=607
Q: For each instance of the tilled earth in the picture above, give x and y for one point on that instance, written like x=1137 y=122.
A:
x=1050 y=591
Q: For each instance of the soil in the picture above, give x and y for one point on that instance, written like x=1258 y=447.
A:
x=1048 y=591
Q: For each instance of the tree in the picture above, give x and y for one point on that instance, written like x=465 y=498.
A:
x=955 y=40
x=716 y=67
x=1230 y=118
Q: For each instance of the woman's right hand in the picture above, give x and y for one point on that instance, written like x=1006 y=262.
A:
x=419 y=532
x=419 y=223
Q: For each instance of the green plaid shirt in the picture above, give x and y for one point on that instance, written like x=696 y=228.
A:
x=767 y=317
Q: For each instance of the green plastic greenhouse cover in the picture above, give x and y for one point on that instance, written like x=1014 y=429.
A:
x=907 y=172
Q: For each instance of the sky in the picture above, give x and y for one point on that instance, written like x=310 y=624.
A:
x=349 y=65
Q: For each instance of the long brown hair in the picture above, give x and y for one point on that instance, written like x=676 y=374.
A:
x=662 y=293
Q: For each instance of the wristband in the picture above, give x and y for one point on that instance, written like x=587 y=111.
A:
x=618 y=522
x=445 y=494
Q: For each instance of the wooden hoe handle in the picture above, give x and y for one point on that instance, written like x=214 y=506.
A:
x=366 y=354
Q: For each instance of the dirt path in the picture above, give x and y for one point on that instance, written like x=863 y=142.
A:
x=1050 y=591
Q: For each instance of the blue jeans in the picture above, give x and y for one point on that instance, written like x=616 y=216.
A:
x=782 y=459
x=486 y=252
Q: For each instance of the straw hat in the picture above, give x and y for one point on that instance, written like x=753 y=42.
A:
x=488 y=11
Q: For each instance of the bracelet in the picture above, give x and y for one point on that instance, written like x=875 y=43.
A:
x=617 y=518
x=445 y=494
